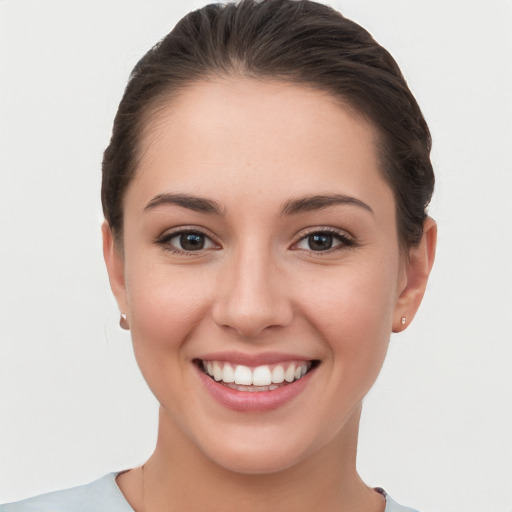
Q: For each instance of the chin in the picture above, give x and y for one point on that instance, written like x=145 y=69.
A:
x=256 y=461
x=257 y=453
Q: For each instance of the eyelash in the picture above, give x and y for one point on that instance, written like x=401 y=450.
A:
x=345 y=241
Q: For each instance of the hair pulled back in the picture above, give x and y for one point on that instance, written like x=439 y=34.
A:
x=297 y=41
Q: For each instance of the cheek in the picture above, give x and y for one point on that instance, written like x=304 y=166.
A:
x=356 y=301
x=353 y=313
x=165 y=309
x=165 y=306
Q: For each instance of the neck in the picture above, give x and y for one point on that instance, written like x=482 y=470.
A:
x=179 y=477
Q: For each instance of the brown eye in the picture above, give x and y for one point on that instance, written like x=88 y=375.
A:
x=186 y=242
x=191 y=241
x=324 y=241
x=320 y=241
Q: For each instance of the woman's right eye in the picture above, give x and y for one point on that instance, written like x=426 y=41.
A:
x=187 y=242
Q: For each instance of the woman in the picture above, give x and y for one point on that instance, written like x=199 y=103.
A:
x=265 y=194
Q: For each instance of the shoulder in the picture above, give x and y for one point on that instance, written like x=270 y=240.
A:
x=391 y=504
x=98 y=496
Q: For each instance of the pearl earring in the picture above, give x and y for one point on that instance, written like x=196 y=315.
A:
x=123 y=322
x=403 y=320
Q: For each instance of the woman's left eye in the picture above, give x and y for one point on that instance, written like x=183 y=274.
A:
x=323 y=241
x=187 y=241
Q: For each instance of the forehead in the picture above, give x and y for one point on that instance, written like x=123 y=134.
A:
x=240 y=135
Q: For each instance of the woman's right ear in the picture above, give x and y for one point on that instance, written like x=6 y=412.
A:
x=115 y=266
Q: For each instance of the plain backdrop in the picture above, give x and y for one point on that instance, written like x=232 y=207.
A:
x=437 y=427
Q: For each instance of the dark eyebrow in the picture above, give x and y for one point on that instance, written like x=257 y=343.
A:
x=198 y=204
x=318 y=202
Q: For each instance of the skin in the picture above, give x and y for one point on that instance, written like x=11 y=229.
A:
x=252 y=146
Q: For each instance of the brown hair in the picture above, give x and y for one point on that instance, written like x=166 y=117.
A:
x=297 y=41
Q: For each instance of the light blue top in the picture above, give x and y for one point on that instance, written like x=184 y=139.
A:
x=104 y=495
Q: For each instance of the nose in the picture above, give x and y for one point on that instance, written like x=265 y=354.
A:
x=252 y=295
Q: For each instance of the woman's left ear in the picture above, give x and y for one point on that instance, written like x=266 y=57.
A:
x=417 y=269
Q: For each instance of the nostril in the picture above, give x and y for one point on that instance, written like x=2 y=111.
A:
x=250 y=316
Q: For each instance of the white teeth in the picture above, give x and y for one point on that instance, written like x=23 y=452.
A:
x=261 y=376
x=252 y=389
x=243 y=375
x=278 y=374
x=289 y=374
x=228 y=374
x=217 y=371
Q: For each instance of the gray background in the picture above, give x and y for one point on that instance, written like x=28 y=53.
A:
x=437 y=427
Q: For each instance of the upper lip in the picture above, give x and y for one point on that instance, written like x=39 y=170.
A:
x=243 y=358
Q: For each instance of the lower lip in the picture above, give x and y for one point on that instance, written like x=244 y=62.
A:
x=248 y=401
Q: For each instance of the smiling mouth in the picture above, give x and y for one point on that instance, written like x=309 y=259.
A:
x=267 y=377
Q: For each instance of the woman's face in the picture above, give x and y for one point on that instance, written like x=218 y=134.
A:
x=259 y=236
